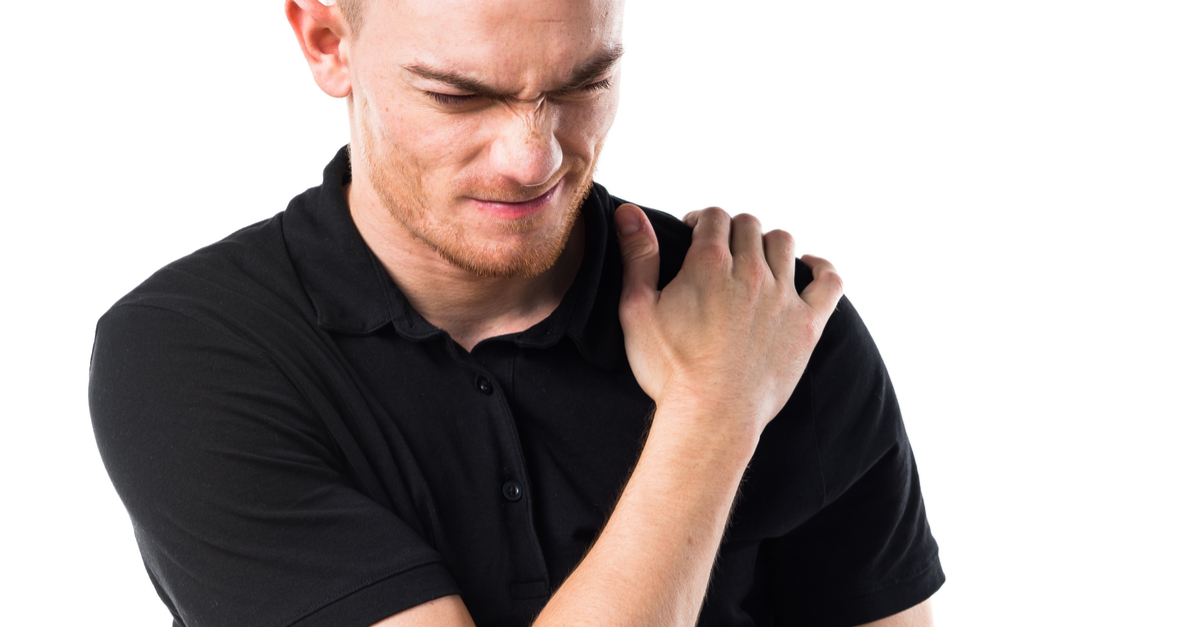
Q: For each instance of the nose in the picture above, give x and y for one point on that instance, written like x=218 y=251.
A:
x=526 y=150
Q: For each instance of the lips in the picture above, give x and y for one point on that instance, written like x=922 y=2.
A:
x=518 y=210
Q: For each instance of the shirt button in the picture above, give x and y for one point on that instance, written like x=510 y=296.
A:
x=512 y=490
x=483 y=385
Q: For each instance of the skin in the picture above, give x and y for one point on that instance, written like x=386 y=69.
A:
x=474 y=274
x=719 y=349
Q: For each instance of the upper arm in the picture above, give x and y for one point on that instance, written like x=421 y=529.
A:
x=239 y=501
x=920 y=615
x=444 y=612
x=868 y=552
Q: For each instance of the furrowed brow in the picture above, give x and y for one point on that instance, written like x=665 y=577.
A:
x=585 y=74
x=464 y=83
x=593 y=69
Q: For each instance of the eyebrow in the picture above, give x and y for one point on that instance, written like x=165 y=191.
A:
x=586 y=73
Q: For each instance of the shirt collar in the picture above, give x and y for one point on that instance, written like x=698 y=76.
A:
x=352 y=293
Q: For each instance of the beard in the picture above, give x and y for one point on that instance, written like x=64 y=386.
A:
x=400 y=185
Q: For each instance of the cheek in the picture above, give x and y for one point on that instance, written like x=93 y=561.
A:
x=435 y=144
x=582 y=126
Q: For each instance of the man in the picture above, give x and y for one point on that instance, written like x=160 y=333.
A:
x=460 y=384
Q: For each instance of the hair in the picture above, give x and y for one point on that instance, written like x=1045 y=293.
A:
x=353 y=11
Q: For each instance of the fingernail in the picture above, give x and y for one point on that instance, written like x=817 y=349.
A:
x=627 y=222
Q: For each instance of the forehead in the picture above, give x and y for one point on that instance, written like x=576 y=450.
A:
x=508 y=40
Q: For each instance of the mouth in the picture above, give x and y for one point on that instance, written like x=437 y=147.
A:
x=518 y=210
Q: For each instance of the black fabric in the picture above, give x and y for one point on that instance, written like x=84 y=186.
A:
x=297 y=446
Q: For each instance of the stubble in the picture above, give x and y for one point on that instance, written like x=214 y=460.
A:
x=399 y=185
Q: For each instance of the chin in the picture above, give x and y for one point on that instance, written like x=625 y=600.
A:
x=524 y=248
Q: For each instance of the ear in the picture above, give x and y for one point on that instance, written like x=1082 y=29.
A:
x=321 y=31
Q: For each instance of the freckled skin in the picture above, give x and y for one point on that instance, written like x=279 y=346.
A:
x=423 y=161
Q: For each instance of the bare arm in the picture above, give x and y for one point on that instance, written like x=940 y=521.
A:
x=719 y=352
x=450 y=612
x=920 y=615
x=651 y=563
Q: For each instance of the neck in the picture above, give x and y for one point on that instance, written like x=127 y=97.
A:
x=469 y=307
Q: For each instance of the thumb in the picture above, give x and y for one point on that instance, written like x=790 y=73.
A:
x=639 y=252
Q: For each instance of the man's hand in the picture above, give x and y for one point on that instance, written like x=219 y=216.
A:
x=729 y=333
x=720 y=351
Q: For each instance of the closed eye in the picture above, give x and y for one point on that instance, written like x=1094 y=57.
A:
x=450 y=100
x=596 y=86
x=454 y=100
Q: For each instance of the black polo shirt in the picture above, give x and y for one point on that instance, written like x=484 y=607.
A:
x=297 y=446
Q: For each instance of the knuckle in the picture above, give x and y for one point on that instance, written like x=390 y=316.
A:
x=781 y=238
x=834 y=279
x=639 y=249
x=713 y=253
x=746 y=220
x=715 y=213
x=632 y=303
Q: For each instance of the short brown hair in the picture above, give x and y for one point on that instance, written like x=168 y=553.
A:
x=353 y=11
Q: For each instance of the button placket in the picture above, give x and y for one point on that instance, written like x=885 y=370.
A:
x=514 y=488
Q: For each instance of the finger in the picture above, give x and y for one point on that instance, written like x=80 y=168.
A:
x=690 y=218
x=639 y=252
x=746 y=239
x=711 y=230
x=826 y=287
x=780 y=250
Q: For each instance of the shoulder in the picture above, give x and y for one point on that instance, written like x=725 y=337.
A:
x=233 y=309
x=674 y=237
x=245 y=277
x=215 y=345
x=845 y=391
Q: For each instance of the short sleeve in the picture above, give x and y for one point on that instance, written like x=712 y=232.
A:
x=868 y=553
x=239 y=503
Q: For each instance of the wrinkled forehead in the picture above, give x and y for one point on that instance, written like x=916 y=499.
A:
x=508 y=41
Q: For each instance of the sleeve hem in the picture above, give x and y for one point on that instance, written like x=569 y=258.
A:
x=870 y=606
x=383 y=598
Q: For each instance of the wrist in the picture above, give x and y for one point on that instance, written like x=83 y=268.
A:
x=707 y=430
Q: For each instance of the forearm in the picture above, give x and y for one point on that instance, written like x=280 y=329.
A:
x=651 y=563
x=727 y=340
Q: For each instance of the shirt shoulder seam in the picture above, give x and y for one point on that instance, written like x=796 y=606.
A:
x=225 y=332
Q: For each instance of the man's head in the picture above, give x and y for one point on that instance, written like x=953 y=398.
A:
x=454 y=103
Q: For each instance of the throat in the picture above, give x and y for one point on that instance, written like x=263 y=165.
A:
x=478 y=310
x=468 y=336
x=471 y=308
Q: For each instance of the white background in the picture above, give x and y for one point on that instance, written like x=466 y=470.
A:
x=1009 y=189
